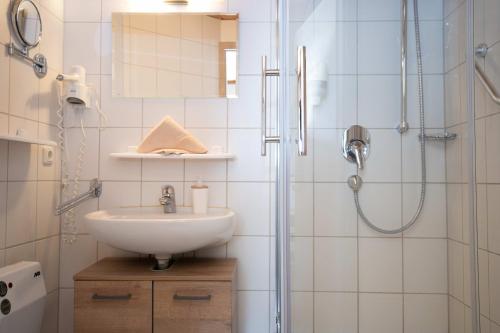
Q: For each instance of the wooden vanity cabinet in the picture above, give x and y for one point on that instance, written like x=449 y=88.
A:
x=124 y=295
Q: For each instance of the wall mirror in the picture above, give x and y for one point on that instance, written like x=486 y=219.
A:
x=174 y=55
x=26 y=23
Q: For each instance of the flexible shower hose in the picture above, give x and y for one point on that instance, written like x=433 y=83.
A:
x=422 y=142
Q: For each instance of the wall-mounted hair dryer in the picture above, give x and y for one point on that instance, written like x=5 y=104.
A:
x=75 y=89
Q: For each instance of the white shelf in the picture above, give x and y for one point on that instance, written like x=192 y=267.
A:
x=208 y=156
x=16 y=138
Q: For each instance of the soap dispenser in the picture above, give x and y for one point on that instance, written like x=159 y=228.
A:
x=200 y=197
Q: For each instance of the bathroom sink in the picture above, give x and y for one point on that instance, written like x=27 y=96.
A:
x=148 y=230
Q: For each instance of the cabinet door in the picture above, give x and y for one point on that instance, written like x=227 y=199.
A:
x=113 y=306
x=192 y=307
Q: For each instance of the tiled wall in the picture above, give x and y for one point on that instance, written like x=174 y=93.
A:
x=347 y=278
x=487 y=114
x=243 y=184
x=29 y=190
x=457 y=162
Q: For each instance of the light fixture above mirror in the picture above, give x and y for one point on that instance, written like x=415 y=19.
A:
x=176 y=2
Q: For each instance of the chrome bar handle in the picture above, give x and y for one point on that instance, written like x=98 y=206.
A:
x=263 y=107
x=302 y=99
x=178 y=297
x=98 y=297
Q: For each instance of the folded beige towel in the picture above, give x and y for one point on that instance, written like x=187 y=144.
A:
x=170 y=137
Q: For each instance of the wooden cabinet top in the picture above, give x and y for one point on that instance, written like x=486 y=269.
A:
x=140 y=269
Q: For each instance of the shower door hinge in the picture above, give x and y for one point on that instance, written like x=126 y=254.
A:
x=278 y=322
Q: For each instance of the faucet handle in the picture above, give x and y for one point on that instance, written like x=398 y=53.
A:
x=357 y=148
x=167 y=190
x=356 y=145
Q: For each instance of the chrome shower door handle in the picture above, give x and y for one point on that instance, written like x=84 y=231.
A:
x=302 y=99
x=263 y=107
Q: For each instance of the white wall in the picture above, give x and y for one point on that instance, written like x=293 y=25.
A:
x=243 y=184
x=29 y=190
x=345 y=277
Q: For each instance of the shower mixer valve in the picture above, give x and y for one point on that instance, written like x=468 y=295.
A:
x=356 y=145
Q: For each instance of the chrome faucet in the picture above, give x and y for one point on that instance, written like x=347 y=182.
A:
x=167 y=199
x=356 y=145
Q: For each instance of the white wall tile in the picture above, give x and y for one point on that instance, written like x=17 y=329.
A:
x=335 y=264
x=75 y=12
x=384 y=161
x=378 y=47
x=25 y=252
x=380 y=265
x=337 y=108
x=435 y=158
x=22 y=161
x=455 y=269
x=252 y=209
x=380 y=313
x=258 y=11
x=249 y=165
x=251 y=48
x=493 y=195
x=47 y=253
x=454 y=211
x=113 y=195
x=329 y=164
x=3 y=213
x=334 y=210
x=211 y=113
x=302 y=304
x=379 y=101
x=494 y=287
x=243 y=111
x=90 y=165
x=335 y=10
x=155 y=110
x=381 y=203
x=334 y=45
x=47 y=224
x=425 y=265
x=82 y=45
x=21 y=212
x=51 y=314
x=335 y=312
x=302 y=263
x=425 y=313
x=75 y=257
x=253 y=311
x=23 y=101
x=118 y=140
x=154 y=170
x=432 y=221
x=253 y=261
x=301 y=209
x=66 y=309
x=121 y=112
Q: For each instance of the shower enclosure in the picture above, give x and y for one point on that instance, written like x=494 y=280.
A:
x=345 y=63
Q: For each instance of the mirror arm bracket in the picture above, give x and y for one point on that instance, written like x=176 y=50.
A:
x=39 y=62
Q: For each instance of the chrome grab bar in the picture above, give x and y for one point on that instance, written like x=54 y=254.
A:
x=488 y=85
x=95 y=190
x=481 y=51
x=263 y=107
x=302 y=99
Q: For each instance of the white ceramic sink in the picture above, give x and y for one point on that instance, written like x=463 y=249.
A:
x=148 y=230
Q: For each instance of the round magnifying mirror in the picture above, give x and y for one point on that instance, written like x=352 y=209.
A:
x=27 y=22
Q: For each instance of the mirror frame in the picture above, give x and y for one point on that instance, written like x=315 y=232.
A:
x=15 y=21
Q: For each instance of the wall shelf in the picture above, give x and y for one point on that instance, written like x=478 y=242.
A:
x=208 y=156
x=16 y=138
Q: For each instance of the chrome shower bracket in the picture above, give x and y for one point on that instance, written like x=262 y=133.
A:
x=356 y=145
